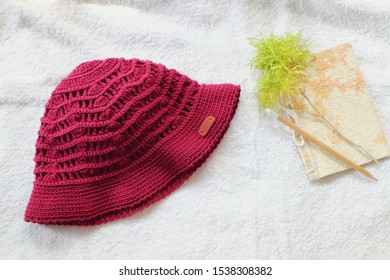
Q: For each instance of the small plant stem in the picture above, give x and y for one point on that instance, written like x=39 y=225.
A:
x=334 y=129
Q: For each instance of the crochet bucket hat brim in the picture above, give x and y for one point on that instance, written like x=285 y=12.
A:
x=142 y=160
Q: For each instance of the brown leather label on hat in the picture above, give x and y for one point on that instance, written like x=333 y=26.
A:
x=206 y=126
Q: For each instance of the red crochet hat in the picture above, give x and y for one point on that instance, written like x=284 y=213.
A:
x=118 y=135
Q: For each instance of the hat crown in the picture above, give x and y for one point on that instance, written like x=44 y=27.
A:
x=107 y=115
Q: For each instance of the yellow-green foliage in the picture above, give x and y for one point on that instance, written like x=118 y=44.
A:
x=281 y=61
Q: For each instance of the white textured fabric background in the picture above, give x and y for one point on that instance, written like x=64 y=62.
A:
x=252 y=198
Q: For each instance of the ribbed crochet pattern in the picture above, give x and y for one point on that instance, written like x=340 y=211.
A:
x=118 y=135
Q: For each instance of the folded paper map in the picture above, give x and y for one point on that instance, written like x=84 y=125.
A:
x=336 y=88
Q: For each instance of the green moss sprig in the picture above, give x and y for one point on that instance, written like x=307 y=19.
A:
x=282 y=61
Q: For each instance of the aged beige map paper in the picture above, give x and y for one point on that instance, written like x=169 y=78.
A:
x=336 y=88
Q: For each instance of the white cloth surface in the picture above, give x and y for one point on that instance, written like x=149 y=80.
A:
x=252 y=198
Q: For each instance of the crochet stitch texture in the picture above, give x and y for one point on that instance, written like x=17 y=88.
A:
x=120 y=134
